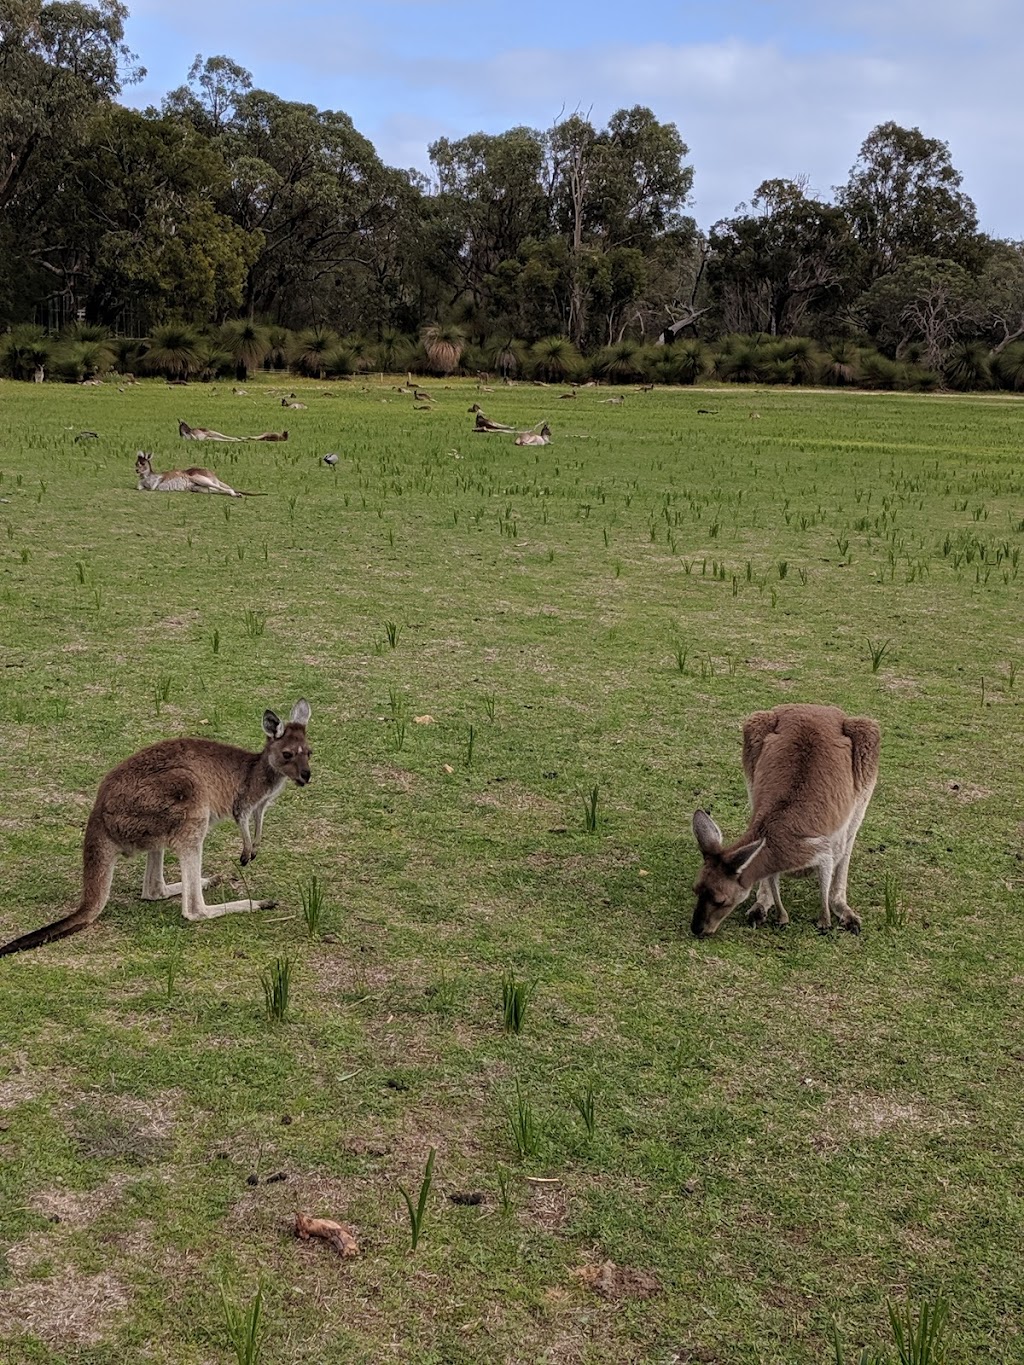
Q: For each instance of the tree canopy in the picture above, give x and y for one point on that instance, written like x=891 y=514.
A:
x=229 y=202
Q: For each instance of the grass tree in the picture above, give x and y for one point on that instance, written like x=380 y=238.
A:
x=841 y=364
x=310 y=350
x=247 y=343
x=173 y=351
x=24 y=352
x=554 y=359
x=443 y=344
x=506 y=355
x=625 y=362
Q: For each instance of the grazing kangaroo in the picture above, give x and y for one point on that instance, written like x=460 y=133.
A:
x=191 y=480
x=167 y=797
x=810 y=772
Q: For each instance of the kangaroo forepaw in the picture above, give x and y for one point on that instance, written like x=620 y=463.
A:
x=757 y=915
x=267 y=905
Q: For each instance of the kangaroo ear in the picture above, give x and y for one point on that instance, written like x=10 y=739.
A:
x=273 y=726
x=706 y=832
x=300 y=713
x=742 y=857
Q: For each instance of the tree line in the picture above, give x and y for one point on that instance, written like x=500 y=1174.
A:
x=230 y=228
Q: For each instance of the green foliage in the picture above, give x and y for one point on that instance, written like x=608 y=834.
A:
x=515 y=997
x=627 y=362
x=680 y=362
x=244 y=1325
x=174 y=351
x=277 y=983
x=309 y=352
x=246 y=343
x=968 y=366
x=443 y=345
x=554 y=358
x=417 y=1211
x=23 y=352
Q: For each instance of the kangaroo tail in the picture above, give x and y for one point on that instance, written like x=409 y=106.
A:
x=243 y=494
x=60 y=928
x=99 y=855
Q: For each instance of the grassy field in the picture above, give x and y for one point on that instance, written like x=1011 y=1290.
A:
x=766 y=1133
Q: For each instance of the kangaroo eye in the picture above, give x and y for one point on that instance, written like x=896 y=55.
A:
x=287 y=755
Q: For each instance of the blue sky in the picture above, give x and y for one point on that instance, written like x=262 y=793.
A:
x=757 y=88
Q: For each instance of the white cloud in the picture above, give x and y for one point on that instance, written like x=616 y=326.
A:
x=797 y=99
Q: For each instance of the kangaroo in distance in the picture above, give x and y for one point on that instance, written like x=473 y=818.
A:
x=191 y=480
x=166 y=797
x=810 y=772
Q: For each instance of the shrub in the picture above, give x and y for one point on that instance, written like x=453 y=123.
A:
x=506 y=355
x=877 y=371
x=443 y=345
x=248 y=345
x=309 y=352
x=840 y=365
x=968 y=367
x=683 y=362
x=1008 y=368
x=627 y=362
x=173 y=352
x=554 y=359
x=23 y=351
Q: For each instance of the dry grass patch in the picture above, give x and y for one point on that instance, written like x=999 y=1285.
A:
x=866 y=1114
x=67 y=1309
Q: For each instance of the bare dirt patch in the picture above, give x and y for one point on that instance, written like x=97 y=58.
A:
x=966 y=792
x=509 y=796
x=614 y=1282
x=387 y=775
x=79 y=1208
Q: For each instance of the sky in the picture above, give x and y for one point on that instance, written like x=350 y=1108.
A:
x=757 y=88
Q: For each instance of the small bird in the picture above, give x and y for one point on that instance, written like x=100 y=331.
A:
x=331 y=458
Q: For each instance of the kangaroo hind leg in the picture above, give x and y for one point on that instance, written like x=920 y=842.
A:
x=154 y=888
x=193 y=906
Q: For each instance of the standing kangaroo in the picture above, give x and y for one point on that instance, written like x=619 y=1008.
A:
x=810 y=773
x=166 y=797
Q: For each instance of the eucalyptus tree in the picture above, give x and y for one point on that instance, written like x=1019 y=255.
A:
x=59 y=62
x=489 y=191
x=904 y=199
x=299 y=179
x=211 y=94
x=784 y=264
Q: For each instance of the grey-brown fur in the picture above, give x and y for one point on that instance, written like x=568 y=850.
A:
x=195 y=479
x=166 y=797
x=810 y=772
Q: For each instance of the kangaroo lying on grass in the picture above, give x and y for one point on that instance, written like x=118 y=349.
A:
x=810 y=773
x=191 y=480
x=167 y=797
